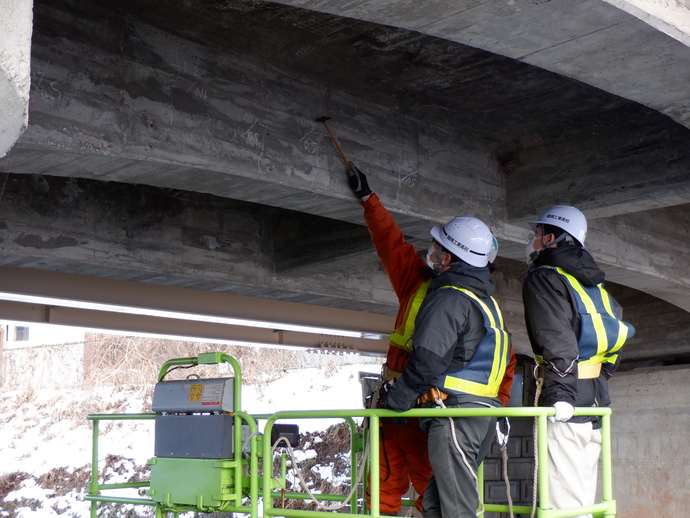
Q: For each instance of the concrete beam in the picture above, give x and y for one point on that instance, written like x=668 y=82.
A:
x=654 y=243
x=588 y=40
x=154 y=238
x=672 y=18
x=36 y=296
x=196 y=126
x=131 y=94
x=15 y=54
x=195 y=118
x=190 y=240
x=305 y=245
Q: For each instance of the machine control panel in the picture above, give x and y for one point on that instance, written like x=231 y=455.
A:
x=195 y=395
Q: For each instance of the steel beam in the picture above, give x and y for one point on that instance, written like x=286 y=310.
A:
x=37 y=296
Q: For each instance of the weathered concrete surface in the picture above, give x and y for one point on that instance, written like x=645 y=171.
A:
x=174 y=143
x=588 y=40
x=669 y=17
x=209 y=243
x=651 y=459
x=15 y=53
x=219 y=99
x=176 y=238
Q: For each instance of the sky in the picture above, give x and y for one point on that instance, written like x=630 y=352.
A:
x=47 y=429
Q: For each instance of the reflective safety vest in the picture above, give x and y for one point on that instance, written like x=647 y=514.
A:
x=402 y=336
x=602 y=333
x=483 y=374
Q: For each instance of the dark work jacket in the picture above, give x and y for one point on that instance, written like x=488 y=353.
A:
x=553 y=326
x=448 y=329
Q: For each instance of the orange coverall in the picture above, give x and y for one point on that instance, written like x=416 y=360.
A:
x=403 y=448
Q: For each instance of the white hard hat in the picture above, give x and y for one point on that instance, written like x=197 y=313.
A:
x=467 y=238
x=566 y=218
x=494 y=249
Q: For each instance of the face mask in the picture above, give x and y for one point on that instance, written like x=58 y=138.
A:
x=436 y=267
x=530 y=253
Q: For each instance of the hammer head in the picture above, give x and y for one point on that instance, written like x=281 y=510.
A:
x=322 y=119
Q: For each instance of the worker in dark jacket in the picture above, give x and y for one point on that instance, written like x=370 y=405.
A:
x=403 y=445
x=460 y=351
x=576 y=333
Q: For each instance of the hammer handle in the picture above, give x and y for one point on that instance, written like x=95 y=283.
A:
x=337 y=145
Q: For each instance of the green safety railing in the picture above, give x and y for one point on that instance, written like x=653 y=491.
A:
x=253 y=468
x=606 y=508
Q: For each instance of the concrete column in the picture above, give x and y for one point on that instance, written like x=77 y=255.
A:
x=651 y=429
x=15 y=73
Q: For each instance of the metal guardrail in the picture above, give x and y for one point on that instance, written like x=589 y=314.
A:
x=264 y=488
x=606 y=508
x=251 y=471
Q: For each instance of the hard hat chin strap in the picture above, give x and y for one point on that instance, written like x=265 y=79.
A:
x=532 y=257
x=563 y=237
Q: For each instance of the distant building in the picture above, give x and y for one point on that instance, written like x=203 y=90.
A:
x=16 y=336
x=41 y=356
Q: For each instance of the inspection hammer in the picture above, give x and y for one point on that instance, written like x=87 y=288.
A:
x=335 y=141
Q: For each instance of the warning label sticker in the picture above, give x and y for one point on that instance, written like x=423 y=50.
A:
x=195 y=393
x=212 y=395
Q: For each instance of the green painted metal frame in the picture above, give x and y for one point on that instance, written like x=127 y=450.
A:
x=605 y=509
x=266 y=487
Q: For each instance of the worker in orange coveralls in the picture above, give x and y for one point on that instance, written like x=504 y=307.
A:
x=403 y=445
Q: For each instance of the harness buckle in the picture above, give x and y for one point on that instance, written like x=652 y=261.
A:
x=431 y=395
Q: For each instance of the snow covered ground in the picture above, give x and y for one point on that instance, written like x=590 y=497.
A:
x=46 y=438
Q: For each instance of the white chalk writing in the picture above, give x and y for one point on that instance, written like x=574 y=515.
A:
x=46 y=90
x=308 y=137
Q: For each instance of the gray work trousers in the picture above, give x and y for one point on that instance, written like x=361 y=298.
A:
x=452 y=490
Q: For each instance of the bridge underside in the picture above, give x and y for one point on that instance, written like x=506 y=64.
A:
x=175 y=145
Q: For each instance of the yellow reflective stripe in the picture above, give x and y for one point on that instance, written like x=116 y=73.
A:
x=602 y=340
x=471 y=387
x=486 y=309
x=622 y=330
x=497 y=363
x=402 y=335
x=497 y=367
x=606 y=301
x=603 y=354
x=622 y=337
x=611 y=358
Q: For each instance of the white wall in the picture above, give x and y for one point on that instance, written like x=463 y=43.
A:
x=52 y=357
x=41 y=335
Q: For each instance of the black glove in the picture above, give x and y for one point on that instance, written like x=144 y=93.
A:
x=383 y=394
x=369 y=401
x=358 y=182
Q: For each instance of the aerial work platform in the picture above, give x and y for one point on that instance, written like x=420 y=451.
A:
x=210 y=456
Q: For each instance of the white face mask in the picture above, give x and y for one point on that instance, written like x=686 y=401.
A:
x=530 y=253
x=430 y=263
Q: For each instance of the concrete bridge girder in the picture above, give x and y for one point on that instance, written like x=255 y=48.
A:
x=672 y=18
x=203 y=243
x=624 y=47
x=15 y=52
x=130 y=94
